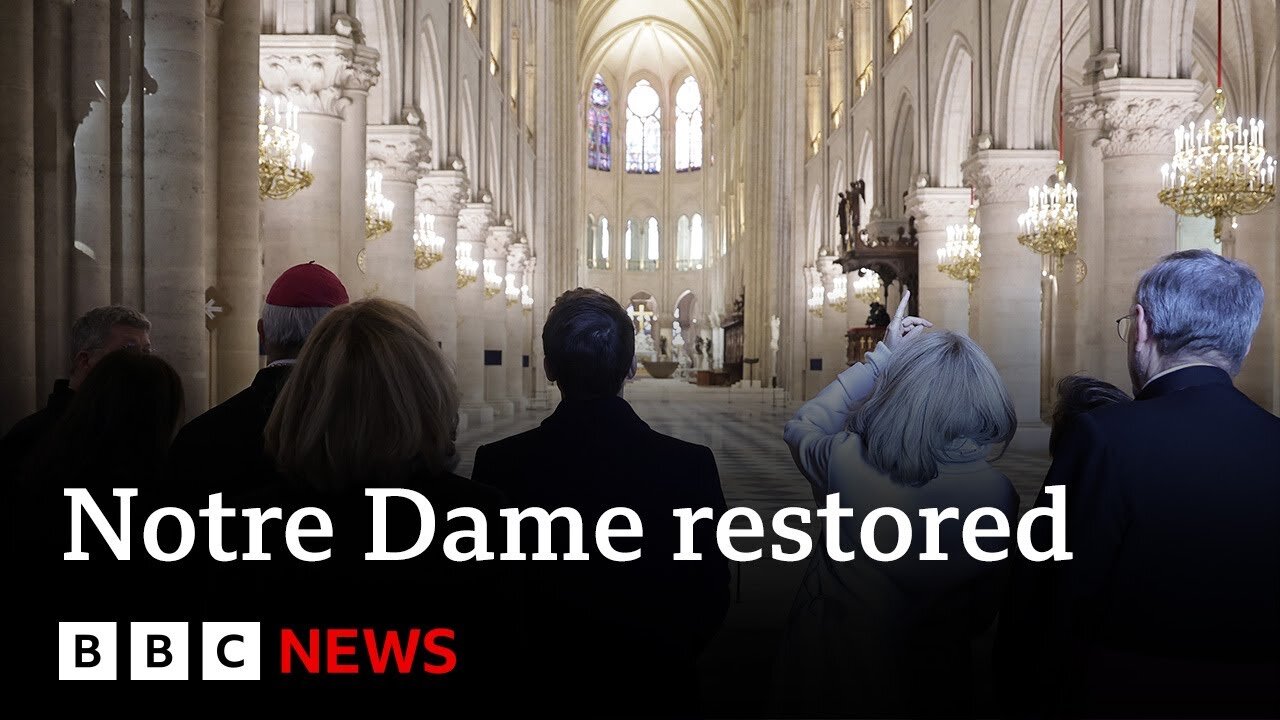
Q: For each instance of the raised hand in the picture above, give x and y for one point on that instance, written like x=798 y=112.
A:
x=904 y=328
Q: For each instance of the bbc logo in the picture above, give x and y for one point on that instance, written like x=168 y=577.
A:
x=159 y=651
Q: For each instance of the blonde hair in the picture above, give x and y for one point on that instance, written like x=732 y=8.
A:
x=371 y=400
x=935 y=393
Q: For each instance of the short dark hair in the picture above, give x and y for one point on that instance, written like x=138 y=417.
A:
x=1077 y=395
x=589 y=343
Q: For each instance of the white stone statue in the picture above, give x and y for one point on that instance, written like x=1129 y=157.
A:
x=775 y=328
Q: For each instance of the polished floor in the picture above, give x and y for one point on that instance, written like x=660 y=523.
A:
x=744 y=430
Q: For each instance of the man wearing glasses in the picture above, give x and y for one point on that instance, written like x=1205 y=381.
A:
x=1169 y=604
x=100 y=331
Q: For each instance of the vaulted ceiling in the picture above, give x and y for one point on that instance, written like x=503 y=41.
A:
x=627 y=36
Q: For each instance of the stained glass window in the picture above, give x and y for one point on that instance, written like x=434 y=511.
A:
x=599 y=126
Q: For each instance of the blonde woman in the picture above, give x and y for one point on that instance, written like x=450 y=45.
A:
x=910 y=428
x=373 y=402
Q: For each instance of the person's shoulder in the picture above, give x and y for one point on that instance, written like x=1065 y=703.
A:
x=511 y=448
x=674 y=445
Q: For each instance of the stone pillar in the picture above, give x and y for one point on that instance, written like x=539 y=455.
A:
x=496 y=391
x=174 y=176
x=942 y=300
x=1094 y=334
x=90 y=62
x=355 y=89
x=441 y=194
x=238 y=284
x=1136 y=139
x=1008 y=322
x=395 y=151
x=311 y=71
x=474 y=220
x=517 y=327
x=17 y=215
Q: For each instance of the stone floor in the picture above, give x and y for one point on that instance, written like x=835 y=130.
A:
x=744 y=430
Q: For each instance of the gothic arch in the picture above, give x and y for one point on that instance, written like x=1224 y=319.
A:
x=901 y=159
x=431 y=90
x=381 y=24
x=953 y=118
x=1027 y=76
x=1155 y=37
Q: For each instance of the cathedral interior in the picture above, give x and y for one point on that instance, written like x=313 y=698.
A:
x=755 y=181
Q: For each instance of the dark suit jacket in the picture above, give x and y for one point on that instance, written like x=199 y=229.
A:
x=29 y=433
x=1171 y=604
x=618 y=636
x=222 y=450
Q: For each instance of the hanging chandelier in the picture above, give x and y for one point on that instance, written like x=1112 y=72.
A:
x=868 y=287
x=428 y=247
x=838 y=298
x=492 y=280
x=377 y=208
x=526 y=299
x=817 y=291
x=284 y=161
x=961 y=257
x=1049 y=225
x=513 y=292
x=1219 y=169
x=468 y=268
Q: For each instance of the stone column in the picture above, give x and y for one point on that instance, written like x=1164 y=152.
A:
x=17 y=215
x=1136 y=139
x=311 y=71
x=361 y=76
x=395 y=151
x=441 y=194
x=238 y=284
x=90 y=62
x=474 y=220
x=942 y=300
x=174 y=177
x=1094 y=334
x=1007 y=322
x=517 y=326
x=496 y=391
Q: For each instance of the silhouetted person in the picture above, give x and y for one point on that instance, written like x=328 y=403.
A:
x=114 y=435
x=1171 y=603
x=1077 y=395
x=622 y=636
x=95 y=334
x=910 y=428
x=222 y=449
x=373 y=403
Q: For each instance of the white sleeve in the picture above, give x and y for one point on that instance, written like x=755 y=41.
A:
x=823 y=421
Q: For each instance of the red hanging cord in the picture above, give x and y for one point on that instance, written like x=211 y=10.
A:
x=1219 y=44
x=1061 y=88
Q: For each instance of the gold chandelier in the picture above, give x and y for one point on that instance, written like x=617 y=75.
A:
x=868 y=287
x=817 y=291
x=492 y=280
x=428 y=247
x=377 y=208
x=838 y=298
x=284 y=161
x=961 y=257
x=468 y=268
x=1048 y=227
x=1219 y=169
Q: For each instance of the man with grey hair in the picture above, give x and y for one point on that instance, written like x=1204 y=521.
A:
x=220 y=449
x=1171 y=603
x=94 y=335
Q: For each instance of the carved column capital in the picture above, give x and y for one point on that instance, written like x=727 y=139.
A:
x=1139 y=115
x=498 y=242
x=474 y=220
x=938 y=205
x=315 y=72
x=398 y=150
x=442 y=192
x=1002 y=176
x=518 y=257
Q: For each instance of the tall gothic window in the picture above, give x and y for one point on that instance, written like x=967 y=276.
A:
x=599 y=126
x=688 y=126
x=689 y=242
x=651 y=261
x=644 y=129
x=598 y=234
